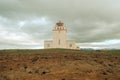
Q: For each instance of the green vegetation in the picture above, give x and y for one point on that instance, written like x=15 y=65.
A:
x=40 y=51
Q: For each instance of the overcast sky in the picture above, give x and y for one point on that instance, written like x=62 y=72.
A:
x=91 y=23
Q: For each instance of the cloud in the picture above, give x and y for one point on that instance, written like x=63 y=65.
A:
x=87 y=21
x=107 y=42
x=114 y=43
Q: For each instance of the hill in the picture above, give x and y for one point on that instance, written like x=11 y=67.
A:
x=59 y=64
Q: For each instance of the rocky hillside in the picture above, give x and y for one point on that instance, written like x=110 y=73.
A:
x=59 y=64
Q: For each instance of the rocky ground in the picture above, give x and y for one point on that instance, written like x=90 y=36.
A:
x=59 y=65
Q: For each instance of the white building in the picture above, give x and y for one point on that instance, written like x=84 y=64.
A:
x=59 y=38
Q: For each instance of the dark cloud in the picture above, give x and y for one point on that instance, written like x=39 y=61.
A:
x=87 y=21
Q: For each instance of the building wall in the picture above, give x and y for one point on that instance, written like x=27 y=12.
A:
x=48 y=44
x=70 y=44
x=59 y=38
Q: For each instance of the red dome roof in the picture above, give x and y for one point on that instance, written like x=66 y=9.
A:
x=59 y=23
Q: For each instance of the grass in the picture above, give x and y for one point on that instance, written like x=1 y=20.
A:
x=35 y=51
x=59 y=64
x=39 y=51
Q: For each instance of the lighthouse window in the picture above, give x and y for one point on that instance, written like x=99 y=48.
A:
x=48 y=45
x=59 y=42
x=70 y=45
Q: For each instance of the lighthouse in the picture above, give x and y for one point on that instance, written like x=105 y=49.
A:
x=59 y=38
x=59 y=35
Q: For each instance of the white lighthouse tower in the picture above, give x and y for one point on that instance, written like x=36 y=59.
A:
x=59 y=38
x=59 y=35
